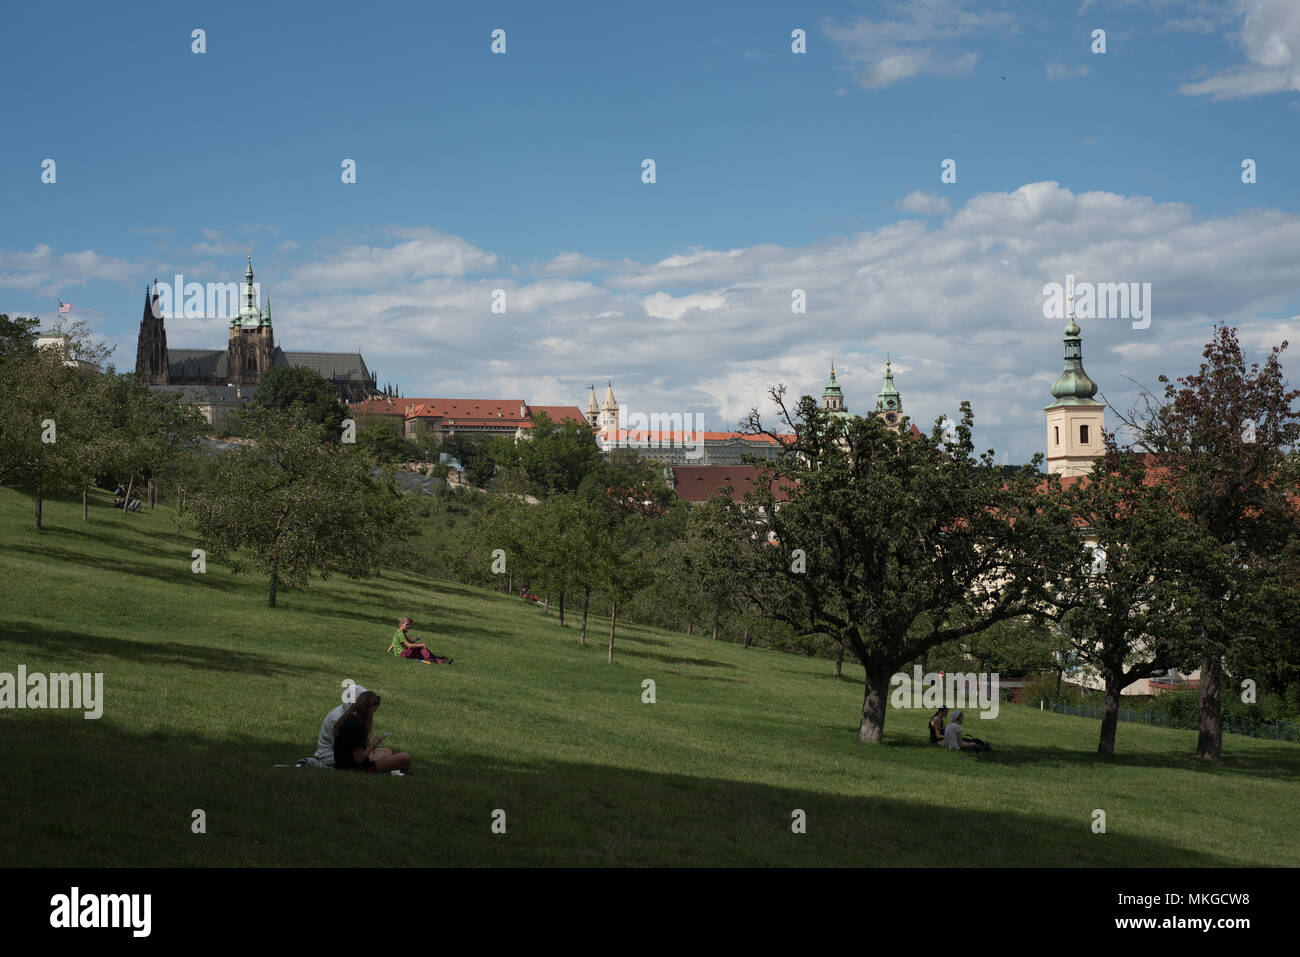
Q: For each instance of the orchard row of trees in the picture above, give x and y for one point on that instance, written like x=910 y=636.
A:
x=66 y=428
x=1178 y=551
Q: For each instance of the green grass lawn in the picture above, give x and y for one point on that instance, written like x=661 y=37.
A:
x=206 y=688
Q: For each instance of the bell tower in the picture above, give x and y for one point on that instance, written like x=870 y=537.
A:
x=1075 y=419
x=889 y=401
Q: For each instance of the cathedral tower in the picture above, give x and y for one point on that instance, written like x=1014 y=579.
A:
x=151 y=344
x=252 y=343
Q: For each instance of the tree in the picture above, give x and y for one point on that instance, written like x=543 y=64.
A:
x=557 y=456
x=383 y=440
x=17 y=335
x=291 y=505
x=1122 y=602
x=891 y=544
x=1225 y=438
x=287 y=387
x=44 y=426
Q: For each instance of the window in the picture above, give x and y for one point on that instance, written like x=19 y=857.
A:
x=1083 y=435
x=1058 y=435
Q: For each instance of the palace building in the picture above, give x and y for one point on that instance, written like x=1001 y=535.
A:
x=250 y=351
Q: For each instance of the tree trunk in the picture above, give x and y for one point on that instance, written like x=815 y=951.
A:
x=179 y=489
x=546 y=608
x=150 y=494
x=275 y=568
x=748 y=640
x=1209 y=743
x=715 y=628
x=561 y=608
x=1109 y=719
x=874 y=702
x=839 y=661
x=586 y=601
x=613 y=617
x=689 y=627
x=85 y=511
x=126 y=504
x=38 y=507
x=510 y=583
x=1057 y=699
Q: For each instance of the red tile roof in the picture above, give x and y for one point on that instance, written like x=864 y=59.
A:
x=559 y=413
x=698 y=483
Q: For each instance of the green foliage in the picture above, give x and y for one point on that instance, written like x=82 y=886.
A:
x=382 y=439
x=292 y=505
x=17 y=335
x=556 y=456
x=891 y=544
x=288 y=387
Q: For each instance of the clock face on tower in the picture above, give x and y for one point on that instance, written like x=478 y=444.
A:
x=891 y=417
x=890 y=403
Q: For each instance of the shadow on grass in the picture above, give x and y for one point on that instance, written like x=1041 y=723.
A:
x=46 y=641
x=666 y=659
x=1278 y=761
x=559 y=813
x=155 y=571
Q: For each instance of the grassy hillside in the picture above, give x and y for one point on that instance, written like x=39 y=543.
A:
x=206 y=688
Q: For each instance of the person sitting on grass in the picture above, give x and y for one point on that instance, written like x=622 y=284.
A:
x=405 y=645
x=325 y=740
x=954 y=740
x=937 y=722
x=353 y=748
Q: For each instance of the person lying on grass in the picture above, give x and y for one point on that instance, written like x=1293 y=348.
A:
x=405 y=645
x=954 y=740
x=354 y=730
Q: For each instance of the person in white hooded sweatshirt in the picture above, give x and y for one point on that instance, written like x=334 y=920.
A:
x=325 y=742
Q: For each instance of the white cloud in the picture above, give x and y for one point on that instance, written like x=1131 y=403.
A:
x=427 y=253
x=1270 y=40
x=663 y=306
x=42 y=270
x=924 y=203
x=211 y=234
x=919 y=37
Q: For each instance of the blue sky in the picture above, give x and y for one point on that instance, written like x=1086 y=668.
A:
x=775 y=171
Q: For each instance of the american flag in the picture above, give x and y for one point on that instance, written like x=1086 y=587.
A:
x=64 y=307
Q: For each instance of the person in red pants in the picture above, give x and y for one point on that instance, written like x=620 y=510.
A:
x=405 y=645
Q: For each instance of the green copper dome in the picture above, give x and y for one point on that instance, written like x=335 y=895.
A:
x=1073 y=387
x=832 y=387
x=888 y=399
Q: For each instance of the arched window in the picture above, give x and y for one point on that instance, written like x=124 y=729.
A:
x=1057 y=429
x=1083 y=435
x=252 y=363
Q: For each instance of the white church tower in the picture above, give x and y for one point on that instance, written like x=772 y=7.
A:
x=1075 y=420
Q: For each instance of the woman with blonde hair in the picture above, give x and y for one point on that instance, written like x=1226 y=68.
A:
x=352 y=752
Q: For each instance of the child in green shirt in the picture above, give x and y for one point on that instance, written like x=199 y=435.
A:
x=405 y=646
